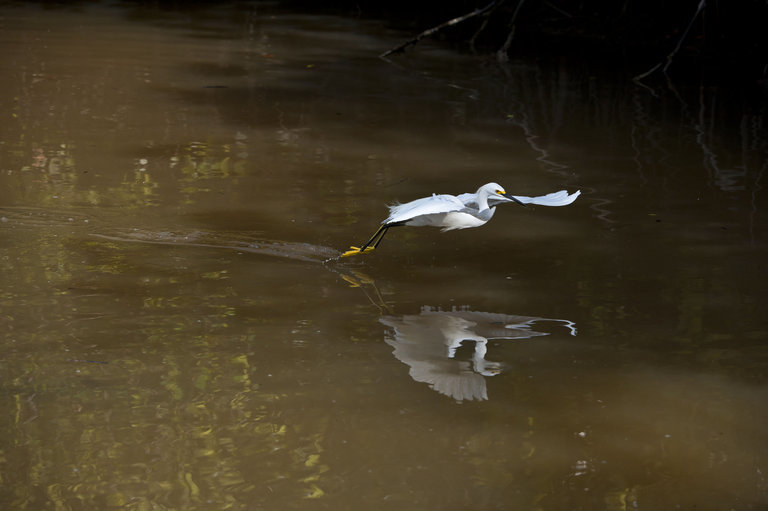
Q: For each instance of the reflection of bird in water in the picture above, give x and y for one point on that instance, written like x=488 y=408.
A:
x=360 y=280
x=427 y=342
x=455 y=212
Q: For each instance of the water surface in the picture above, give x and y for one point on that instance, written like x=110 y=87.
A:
x=174 y=335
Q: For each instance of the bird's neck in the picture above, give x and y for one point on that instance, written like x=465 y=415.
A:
x=478 y=357
x=482 y=201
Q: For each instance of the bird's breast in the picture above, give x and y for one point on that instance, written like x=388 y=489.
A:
x=460 y=220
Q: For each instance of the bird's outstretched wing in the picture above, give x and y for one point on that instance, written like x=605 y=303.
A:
x=469 y=200
x=426 y=206
x=561 y=198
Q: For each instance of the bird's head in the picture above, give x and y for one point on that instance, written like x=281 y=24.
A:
x=497 y=193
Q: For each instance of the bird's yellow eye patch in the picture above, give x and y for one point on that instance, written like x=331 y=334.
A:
x=500 y=192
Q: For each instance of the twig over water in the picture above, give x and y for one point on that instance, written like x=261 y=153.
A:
x=455 y=21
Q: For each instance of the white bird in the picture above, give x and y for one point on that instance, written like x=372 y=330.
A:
x=456 y=212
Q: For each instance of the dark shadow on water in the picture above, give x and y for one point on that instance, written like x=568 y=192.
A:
x=240 y=242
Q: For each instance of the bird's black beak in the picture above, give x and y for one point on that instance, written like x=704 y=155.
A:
x=512 y=197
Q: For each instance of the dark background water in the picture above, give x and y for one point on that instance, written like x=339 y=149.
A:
x=172 y=182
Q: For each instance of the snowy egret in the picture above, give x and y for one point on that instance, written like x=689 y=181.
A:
x=456 y=212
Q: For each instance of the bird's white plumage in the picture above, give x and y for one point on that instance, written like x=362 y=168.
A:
x=561 y=198
x=456 y=212
x=468 y=209
x=436 y=204
x=448 y=211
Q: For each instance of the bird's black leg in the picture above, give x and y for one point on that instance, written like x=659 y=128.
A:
x=376 y=238
x=381 y=237
x=372 y=243
x=383 y=232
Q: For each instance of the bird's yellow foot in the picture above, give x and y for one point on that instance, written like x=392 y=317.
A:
x=355 y=251
x=350 y=252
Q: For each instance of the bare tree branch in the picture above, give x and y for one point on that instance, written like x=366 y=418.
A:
x=501 y=55
x=702 y=4
x=455 y=21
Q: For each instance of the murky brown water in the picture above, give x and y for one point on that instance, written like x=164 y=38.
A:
x=172 y=182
